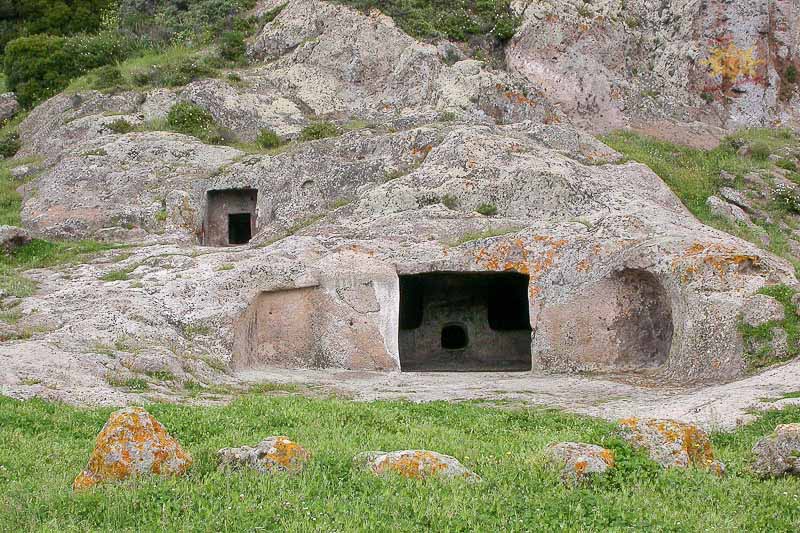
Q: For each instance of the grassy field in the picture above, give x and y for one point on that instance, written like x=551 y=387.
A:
x=43 y=446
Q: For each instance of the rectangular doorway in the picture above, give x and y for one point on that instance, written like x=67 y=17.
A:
x=239 y=229
x=231 y=217
x=464 y=321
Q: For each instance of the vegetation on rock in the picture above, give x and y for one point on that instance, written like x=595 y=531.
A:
x=191 y=119
x=694 y=175
x=460 y=20
x=759 y=338
x=318 y=130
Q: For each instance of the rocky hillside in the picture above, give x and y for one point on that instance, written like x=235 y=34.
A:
x=373 y=155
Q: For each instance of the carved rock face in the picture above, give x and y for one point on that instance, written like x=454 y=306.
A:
x=133 y=443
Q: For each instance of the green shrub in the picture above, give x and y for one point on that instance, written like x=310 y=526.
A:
x=488 y=210
x=450 y=201
x=787 y=164
x=40 y=66
x=191 y=119
x=318 y=130
x=178 y=74
x=107 y=77
x=268 y=139
x=457 y=21
x=10 y=144
x=232 y=47
x=19 y=18
x=121 y=126
x=791 y=74
x=760 y=151
x=195 y=22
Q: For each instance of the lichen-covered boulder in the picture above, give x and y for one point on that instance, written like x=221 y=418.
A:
x=779 y=453
x=414 y=464
x=12 y=237
x=579 y=461
x=273 y=454
x=671 y=443
x=133 y=443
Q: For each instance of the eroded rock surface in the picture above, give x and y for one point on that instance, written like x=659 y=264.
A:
x=414 y=464
x=133 y=443
x=609 y=64
x=672 y=444
x=779 y=453
x=273 y=454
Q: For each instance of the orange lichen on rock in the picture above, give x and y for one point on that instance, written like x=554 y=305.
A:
x=414 y=464
x=132 y=443
x=579 y=461
x=672 y=443
x=274 y=454
x=724 y=260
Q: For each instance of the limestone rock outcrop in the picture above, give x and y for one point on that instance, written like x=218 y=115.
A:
x=779 y=453
x=672 y=444
x=414 y=464
x=133 y=443
x=273 y=454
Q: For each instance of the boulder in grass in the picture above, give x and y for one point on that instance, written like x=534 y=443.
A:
x=414 y=464
x=12 y=237
x=579 y=461
x=778 y=454
x=671 y=443
x=133 y=443
x=9 y=107
x=274 y=454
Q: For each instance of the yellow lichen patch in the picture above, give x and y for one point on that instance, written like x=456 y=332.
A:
x=731 y=62
x=723 y=260
x=607 y=456
x=421 y=152
x=132 y=443
x=672 y=443
x=417 y=465
x=580 y=467
x=286 y=454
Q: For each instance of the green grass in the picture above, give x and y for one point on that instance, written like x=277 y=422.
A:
x=42 y=254
x=3 y=86
x=43 y=446
x=694 y=175
x=172 y=66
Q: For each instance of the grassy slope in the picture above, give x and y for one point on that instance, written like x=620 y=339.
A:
x=694 y=175
x=43 y=446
